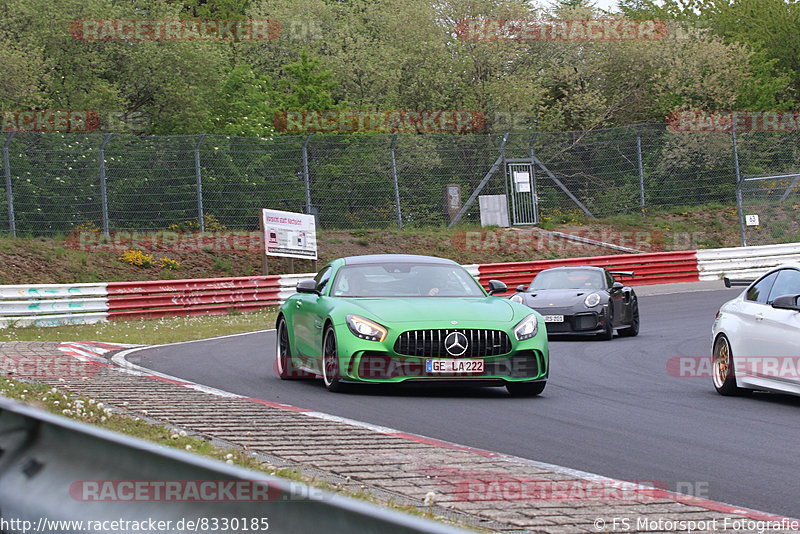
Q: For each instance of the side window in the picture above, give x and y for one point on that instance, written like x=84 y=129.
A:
x=787 y=283
x=609 y=280
x=322 y=277
x=760 y=290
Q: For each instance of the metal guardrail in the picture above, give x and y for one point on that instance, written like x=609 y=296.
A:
x=46 y=459
x=747 y=262
x=653 y=268
x=52 y=304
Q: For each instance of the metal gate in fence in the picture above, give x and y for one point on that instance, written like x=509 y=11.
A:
x=770 y=209
x=522 y=191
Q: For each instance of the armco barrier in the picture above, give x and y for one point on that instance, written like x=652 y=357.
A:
x=54 y=469
x=160 y=298
x=655 y=268
x=52 y=304
x=56 y=304
x=745 y=262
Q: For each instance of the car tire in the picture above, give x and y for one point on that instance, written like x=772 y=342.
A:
x=608 y=333
x=633 y=329
x=283 y=357
x=722 y=370
x=330 y=362
x=525 y=389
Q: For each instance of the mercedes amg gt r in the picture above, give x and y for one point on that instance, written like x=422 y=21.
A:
x=582 y=300
x=393 y=318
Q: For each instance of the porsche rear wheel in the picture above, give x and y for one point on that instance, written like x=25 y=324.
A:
x=722 y=370
x=330 y=362
x=283 y=357
x=633 y=329
x=525 y=389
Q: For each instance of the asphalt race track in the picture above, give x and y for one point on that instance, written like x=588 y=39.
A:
x=610 y=407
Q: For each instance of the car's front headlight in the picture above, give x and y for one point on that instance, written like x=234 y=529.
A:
x=592 y=300
x=516 y=297
x=365 y=329
x=526 y=328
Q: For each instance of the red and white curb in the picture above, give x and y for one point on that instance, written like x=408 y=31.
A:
x=94 y=352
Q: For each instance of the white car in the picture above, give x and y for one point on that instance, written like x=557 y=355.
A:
x=756 y=336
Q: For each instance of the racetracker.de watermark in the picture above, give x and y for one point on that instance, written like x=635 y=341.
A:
x=726 y=121
x=174 y=30
x=395 y=121
x=584 y=240
x=50 y=120
x=165 y=240
x=783 y=367
x=516 y=489
x=561 y=30
x=47 y=367
x=189 y=491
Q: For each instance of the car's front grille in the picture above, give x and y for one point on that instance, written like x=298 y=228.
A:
x=431 y=343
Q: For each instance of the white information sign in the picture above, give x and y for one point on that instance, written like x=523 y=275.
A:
x=288 y=234
x=522 y=180
x=751 y=220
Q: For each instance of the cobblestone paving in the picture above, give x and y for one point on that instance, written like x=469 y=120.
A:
x=495 y=491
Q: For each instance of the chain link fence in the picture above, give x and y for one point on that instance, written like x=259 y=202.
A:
x=54 y=183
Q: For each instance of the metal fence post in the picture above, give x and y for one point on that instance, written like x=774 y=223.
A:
x=533 y=177
x=199 y=183
x=738 y=188
x=12 y=225
x=396 y=187
x=305 y=173
x=641 y=167
x=103 y=190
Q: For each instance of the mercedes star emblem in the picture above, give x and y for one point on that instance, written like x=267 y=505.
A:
x=456 y=343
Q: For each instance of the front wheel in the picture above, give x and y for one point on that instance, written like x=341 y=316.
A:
x=633 y=329
x=722 y=369
x=525 y=389
x=283 y=357
x=330 y=362
x=608 y=333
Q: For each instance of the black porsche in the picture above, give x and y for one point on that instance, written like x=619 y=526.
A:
x=582 y=300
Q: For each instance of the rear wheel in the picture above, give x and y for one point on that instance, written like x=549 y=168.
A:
x=525 y=389
x=633 y=329
x=330 y=362
x=722 y=369
x=283 y=356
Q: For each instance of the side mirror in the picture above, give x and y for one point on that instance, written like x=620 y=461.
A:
x=787 y=302
x=307 y=286
x=521 y=288
x=616 y=286
x=496 y=286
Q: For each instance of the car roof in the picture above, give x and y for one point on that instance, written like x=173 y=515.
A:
x=395 y=258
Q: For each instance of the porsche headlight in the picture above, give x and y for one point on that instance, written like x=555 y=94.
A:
x=365 y=329
x=516 y=297
x=592 y=300
x=526 y=328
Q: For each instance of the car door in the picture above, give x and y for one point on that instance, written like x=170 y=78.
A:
x=779 y=330
x=617 y=300
x=308 y=323
x=748 y=338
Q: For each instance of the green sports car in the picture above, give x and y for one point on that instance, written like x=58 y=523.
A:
x=393 y=318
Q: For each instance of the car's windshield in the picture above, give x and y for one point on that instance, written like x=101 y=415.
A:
x=568 y=279
x=404 y=280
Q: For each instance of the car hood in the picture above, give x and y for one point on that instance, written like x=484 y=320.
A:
x=420 y=309
x=558 y=297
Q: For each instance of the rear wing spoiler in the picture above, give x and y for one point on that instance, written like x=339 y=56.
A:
x=732 y=283
x=623 y=273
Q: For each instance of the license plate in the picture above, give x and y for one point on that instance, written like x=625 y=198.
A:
x=454 y=366
x=553 y=318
